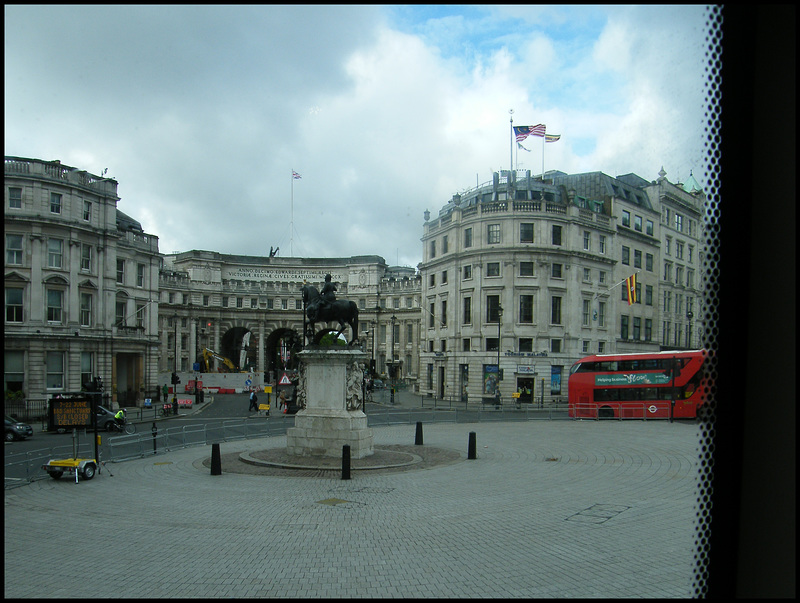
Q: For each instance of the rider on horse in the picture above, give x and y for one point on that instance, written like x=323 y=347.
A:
x=327 y=295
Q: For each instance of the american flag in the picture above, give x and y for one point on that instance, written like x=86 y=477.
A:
x=295 y=175
x=522 y=132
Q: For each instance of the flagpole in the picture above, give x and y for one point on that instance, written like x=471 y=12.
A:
x=511 y=141
x=543 y=137
x=291 y=223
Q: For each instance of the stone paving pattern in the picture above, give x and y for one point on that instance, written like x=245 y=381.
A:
x=562 y=509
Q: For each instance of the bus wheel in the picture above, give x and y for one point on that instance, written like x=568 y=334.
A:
x=605 y=413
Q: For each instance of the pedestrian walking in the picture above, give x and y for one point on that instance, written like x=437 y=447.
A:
x=253 y=401
x=282 y=401
x=166 y=392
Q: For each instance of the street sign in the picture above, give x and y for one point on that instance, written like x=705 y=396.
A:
x=248 y=382
x=285 y=380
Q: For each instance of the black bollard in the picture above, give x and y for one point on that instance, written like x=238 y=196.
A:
x=418 y=438
x=216 y=462
x=346 y=462
x=471 y=450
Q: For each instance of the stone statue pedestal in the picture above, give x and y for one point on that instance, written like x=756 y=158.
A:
x=333 y=388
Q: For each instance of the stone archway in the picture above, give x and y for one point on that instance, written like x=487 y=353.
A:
x=281 y=350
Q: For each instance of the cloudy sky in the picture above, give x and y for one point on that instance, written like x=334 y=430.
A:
x=201 y=113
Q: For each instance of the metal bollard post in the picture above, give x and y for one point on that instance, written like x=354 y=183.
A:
x=346 y=461
x=418 y=438
x=471 y=449
x=155 y=433
x=216 y=462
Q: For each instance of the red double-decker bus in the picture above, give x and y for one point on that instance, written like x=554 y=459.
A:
x=637 y=386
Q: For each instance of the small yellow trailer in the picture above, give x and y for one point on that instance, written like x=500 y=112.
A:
x=57 y=467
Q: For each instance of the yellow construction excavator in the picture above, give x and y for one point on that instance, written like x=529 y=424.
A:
x=227 y=365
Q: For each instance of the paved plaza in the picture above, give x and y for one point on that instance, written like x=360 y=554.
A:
x=556 y=509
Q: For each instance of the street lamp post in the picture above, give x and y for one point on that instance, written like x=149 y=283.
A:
x=392 y=365
x=497 y=391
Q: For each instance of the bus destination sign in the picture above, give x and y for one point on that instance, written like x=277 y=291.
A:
x=632 y=379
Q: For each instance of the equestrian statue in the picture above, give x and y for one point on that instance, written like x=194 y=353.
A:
x=324 y=307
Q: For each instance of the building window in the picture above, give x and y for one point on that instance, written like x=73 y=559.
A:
x=432 y=316
x=557 y=270
x=492 y=308
x=526 y=232
x=667 y=271
x=637 y=328
x=678 y=222
x=623 y=327
x=602 y=245
x=465 y=344
x=55 y=203
x=140 y=275
x=667 y=246
x=526 y=309
x=555 y=310
x=587 y=275
x=13 y=304
x=86 y=258
x=626 y=218
x=649 y=228
x=493 y=269
x=433 y=249
x=409 y=337
x=55 y=253
x=555 y=345
x=679 y=250
x=678 y=275
x=648 y=295
x=55 y=370
x=14 y=198
x=254 y=302
x=587 y=310
x=205 y=300
x=493 y=234
x=55 y=305
x=526 y=268
x=224 y=300
x=87 y=367
x=467 y=272
x=556 y=236
x=239 y=302
x=467 y=315
x=648 y=329
x=526 y=344
x=492 y=344
x=637 y=258
x=444 y=313
x=86 y=310
x=14 y=249
x=444 y=281
x=140 y=315
x=587 y=239
x=648 y=262
x=637 y=223
x=601 y=347
x=690 y=278
x=87 y=210
x=691 y=253
x=585 y=346
x=601 y=314
x=626 y=255
x=119 y=313
x=468 y=237
x=601 y=278
x=444 y=244
x=121 y=272
x=432 y=280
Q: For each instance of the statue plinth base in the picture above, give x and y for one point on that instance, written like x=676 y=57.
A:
x=325 y=425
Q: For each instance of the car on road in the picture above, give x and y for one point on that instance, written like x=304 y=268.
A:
x=16 y=430
x=378 y=384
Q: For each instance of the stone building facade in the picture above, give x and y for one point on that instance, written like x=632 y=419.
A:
x=81 y=285
x=248 y=309
x=522 y=276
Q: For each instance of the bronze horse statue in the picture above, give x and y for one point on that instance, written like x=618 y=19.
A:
x=320 y=310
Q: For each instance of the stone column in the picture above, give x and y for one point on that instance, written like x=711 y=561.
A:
x=333 y=416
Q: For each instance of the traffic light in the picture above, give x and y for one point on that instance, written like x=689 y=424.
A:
x=175 y=379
